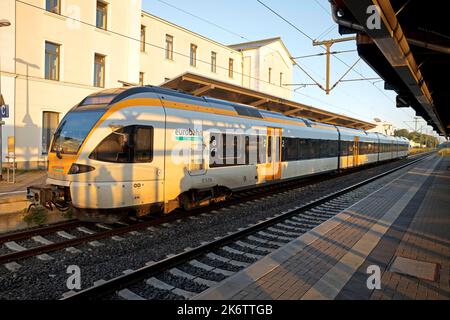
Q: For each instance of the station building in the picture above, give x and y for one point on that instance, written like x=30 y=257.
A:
x=56 y=52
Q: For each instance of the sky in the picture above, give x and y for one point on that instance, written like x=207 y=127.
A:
x=243 y=20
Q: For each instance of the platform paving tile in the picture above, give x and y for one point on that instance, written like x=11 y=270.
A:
x=330 y=254
x=426 y=239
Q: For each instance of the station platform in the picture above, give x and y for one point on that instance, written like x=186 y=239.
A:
x=23 y=180
x=401 y=230
x=13 y=196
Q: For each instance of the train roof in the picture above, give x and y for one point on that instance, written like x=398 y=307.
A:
x=107 y=98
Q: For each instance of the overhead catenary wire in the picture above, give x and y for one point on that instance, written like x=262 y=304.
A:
x=310 y=38
x=153 y=45
x=334 y=56
x=179 y=54
x=326 y=32
x=303 y=69
x=204 y=20
x=323 y=54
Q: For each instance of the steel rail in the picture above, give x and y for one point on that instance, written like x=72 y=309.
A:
x=123 y=281
x=24 y=234
x=235 y=199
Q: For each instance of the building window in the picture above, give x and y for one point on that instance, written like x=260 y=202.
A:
x=53 y=6
x=230 y=68
x=141 y=78
x=213 y=62
x=270 y=75
x=281 y=79
x=143 y=38
x=99 y=71
x=50 y=121
x=52 y=51
x=102 y=15
x=169 y=47
x=193 y=55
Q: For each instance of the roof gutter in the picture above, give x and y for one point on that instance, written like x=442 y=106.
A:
x=391 y=41
x=358 y=27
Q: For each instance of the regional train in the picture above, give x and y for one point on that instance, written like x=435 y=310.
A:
x=144 y=149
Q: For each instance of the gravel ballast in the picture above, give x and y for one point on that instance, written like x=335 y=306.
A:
x=38 y=279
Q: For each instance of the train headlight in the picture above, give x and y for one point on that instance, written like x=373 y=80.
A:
x=80 y=168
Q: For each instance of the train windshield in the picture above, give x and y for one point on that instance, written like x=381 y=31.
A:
x=74 y=129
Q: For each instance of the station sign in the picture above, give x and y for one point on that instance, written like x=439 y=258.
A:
x=4 y=111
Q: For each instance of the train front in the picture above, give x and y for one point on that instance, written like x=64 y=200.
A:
x=67 y=164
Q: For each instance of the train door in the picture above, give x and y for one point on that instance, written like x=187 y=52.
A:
x=356 y=152
x=197 y=165
x=273 y=154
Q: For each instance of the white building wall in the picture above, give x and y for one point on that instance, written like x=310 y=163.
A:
x=272 y=55
x=384 y=127
x=7 y=78
x=275 y=57
x=79 y=44
x=29 y=94
x=157 y=68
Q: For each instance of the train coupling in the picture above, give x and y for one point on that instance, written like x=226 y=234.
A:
x=48 y=196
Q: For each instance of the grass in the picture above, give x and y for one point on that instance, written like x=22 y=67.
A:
x=419 y=150
x=445 y=152
x=36 y=216
x=68 y=214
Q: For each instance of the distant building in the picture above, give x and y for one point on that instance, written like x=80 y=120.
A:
x=384 y=127
x=413 y=144
x=57 y=52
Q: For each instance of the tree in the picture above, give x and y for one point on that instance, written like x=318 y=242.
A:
x=420 y=138
x=402 y=133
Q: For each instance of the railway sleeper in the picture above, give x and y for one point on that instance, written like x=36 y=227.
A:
x=206 y=267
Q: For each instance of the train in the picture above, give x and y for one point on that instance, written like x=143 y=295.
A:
x=139 y=150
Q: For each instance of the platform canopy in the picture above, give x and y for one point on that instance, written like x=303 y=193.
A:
x=200 y=85
x=408 y=44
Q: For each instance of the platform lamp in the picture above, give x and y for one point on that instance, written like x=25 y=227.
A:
x=3 y=23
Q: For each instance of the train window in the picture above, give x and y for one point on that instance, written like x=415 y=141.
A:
x=224 y=148
x=343 y=150
x=73 y=130
x=247 y=111
x=260 y=149
x=363 y=148
x=328 y=149
x=269 y=149
x=213 y=146
x=235 y=147
x=350 y=148
x=247 y=150
x=263 y=153
x=290 y=149
x=132 y=144
x=143 y=144
x=216 y=158
x=332 y=148
x=303 y=149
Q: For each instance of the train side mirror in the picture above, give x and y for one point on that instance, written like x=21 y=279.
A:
x=125 y=141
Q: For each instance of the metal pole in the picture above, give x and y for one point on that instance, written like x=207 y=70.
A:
x=328 y=46
x=3 y=23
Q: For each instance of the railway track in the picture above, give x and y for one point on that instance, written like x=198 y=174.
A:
x=187 y=274
x=67 y=235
